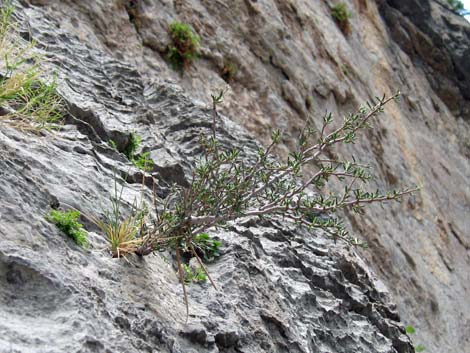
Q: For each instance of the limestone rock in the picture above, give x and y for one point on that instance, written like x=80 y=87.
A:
x=282 y=289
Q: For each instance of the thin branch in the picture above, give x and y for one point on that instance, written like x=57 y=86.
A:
x=181 y=278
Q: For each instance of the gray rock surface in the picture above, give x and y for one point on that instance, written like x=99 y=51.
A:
x=438 y=42
x=281 y=290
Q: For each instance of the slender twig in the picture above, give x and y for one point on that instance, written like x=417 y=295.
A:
x=181 y=278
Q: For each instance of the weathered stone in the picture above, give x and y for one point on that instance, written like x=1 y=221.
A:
x=282 y=289
x=439 y=41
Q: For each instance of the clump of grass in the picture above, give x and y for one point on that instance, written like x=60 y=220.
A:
x=67 y=222
x=122 y=232
x=341 y=15
x=29 y=102
x=185 y=45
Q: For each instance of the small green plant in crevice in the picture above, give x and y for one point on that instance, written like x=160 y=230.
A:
x=228 y=72
x=206 y=247
x=411 y=331
x=141 y=161
x=185 y=45
x=124 y=232
x=193 y=275
x=341 y=15
x=67 y=222
x=27 y=100
x=113 y=144
x=144 y=162
x=132 y=146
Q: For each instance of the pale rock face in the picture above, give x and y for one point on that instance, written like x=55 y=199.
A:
x=282 y=290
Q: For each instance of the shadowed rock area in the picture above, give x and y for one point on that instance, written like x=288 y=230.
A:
x=436 y=42
x=281 y=288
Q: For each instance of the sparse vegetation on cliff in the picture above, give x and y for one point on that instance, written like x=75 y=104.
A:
x=226 y=186
x=67 y=222
x=193 y=275
x=124 y=232
x=27 y=100
x=142 y=160
x=410 y=330
x=341 y=15
x=185 y=45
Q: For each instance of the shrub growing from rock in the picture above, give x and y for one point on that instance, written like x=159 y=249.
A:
x=185 y=45
x=226 y=186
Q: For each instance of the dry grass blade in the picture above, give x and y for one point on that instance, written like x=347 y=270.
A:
x=121 y=236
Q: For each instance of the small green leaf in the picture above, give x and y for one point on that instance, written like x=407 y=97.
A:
x=419 y=348
x=410 y=330
x=201 y=236
x=216 y=99
x=276 y=136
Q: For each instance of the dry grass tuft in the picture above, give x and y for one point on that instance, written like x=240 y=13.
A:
x=27 y=100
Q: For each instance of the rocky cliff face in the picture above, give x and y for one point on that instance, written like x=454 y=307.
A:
x=281 y=289
x=437 y=43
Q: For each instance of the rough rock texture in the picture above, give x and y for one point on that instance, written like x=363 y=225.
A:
x=436 y=42
x=281 y=290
